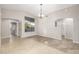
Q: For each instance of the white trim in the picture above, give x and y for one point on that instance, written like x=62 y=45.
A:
x=49 y=37
x=75 y=42
x=5 y=37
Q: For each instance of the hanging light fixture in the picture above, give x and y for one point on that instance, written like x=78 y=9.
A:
x=41 y=15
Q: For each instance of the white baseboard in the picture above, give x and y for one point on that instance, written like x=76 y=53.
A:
x=50 y=37
x=5 y=37
x=75 y=42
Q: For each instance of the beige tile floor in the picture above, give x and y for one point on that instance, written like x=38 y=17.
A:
x=39 y=45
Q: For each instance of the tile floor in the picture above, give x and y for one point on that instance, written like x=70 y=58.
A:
x=38 y=45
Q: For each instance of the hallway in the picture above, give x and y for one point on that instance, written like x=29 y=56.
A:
x=39 y=45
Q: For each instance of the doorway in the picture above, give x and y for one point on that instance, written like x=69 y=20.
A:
x=67 y=30
x=14 y=29
x=66 y=27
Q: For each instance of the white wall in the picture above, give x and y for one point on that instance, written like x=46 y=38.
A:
x=0 y=22
x=42 y=28
x=76 y=30
x=55 y=32
x=5 y=28
x=0 y=27
x=19 y=15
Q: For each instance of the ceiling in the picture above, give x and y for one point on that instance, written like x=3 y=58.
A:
x=34 y=9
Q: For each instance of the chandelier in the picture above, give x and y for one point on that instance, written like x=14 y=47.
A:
x=41 y=15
